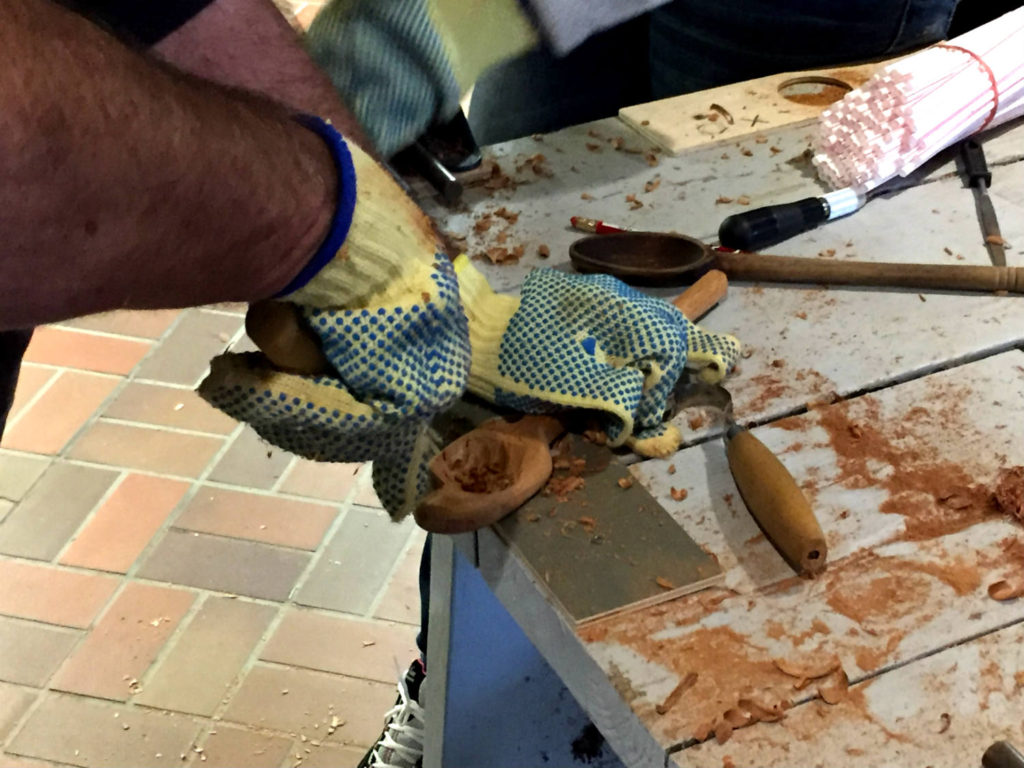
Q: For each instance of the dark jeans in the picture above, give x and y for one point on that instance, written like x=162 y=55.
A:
x=12 y=347
x=690 y=45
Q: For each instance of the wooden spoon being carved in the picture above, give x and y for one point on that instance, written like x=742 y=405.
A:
x=488 y=473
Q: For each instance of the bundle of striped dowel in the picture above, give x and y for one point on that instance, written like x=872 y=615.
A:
x=917 y=106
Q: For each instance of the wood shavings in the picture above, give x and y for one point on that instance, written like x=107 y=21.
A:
x=625 y=482
x=774 y=150
x=586 y=196
x=653 y=184
x=695 y=422
x=746 y=152
x=670 y=701
x=671 y=469
x=994 y=240
x=1005 y=590
x=835 y=688
x=633 y=202
x=543 y=251
x=743 y=200
x=510 y=216
x=801 y=315
x=723 y=112
x=1009 y=492
x=679 y=494
x=761 y=139
x=537 y=164
x=808 y=667
x=651 y=158
x=499 y=180
x=499 y=255
x=561 y=487
x=722 y=200
x=944 y=722
x=664 y=584
x=425 y=296
x=723 y=731
x=592 y=147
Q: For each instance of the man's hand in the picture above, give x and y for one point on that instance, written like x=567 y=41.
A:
x=587 y=342
x=386 y=314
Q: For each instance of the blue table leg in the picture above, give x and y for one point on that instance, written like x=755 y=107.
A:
x=504 y=707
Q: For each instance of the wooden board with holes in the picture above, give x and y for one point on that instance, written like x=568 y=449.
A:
x=742 y=110
x=606 y=547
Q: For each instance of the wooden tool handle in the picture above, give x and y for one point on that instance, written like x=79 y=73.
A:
x=791 y=269
x=700 y=297
x=277 y=330
x=776 y=502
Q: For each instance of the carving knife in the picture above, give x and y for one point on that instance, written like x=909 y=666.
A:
x=769 y=491
x=979 y=178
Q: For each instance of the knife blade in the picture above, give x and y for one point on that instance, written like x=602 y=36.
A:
x=979 y=179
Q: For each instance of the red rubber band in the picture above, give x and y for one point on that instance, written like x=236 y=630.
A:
x=991 y=78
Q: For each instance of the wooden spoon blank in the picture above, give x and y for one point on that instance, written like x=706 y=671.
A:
x=488 y=473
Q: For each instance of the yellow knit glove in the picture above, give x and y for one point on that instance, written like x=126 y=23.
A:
x=587 y=341
x=386 y=312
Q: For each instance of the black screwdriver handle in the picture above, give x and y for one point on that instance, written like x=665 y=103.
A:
x=757 y=229
x=975 y=166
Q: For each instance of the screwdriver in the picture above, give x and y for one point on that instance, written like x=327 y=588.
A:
x=757 y=229
x=979 y=178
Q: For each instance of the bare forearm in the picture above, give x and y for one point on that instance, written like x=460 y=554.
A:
x=124 y=184
x=248 y=43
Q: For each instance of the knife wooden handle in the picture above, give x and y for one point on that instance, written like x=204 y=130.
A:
x=776 y=502
x=793 y=269
x=700 y=297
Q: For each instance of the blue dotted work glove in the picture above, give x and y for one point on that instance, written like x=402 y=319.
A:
x=587 y=341
x=386 y=310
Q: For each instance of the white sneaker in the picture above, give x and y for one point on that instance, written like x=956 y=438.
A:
x=401 y=743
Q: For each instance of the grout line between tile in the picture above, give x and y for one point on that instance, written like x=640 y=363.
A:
x=57 y=373
x=294 y=460
x=118 y=482
x=133 y=470
x=116 y=391
x=293 y=665
x=158 y=427
x=105 y=334
x=386 y=584
x=275 y=621
x=281 y=495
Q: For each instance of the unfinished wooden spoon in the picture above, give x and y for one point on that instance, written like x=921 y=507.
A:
x=488 y=473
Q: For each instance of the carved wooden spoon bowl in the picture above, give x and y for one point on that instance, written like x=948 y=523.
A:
x=488 y=473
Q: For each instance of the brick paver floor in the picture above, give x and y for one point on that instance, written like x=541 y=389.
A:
x=174 y=591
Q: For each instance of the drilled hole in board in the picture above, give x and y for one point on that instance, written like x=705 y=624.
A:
x=814 y=91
